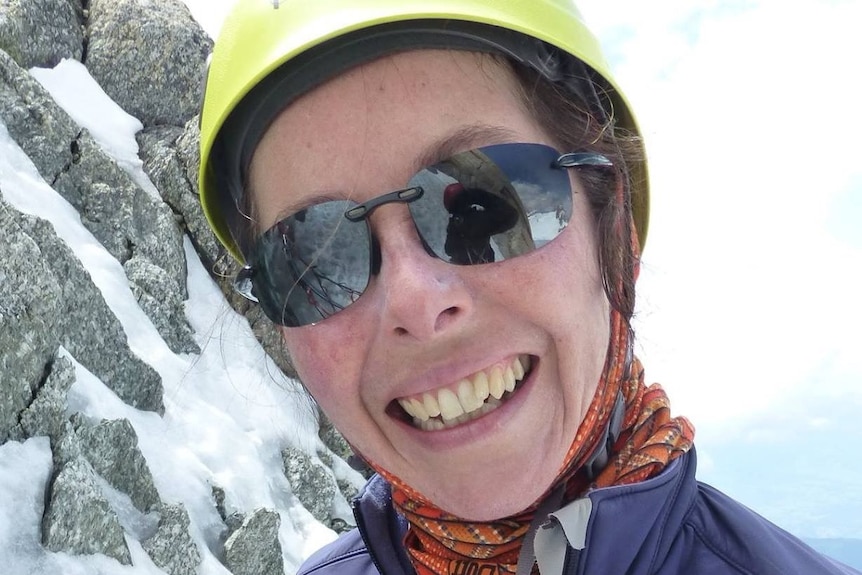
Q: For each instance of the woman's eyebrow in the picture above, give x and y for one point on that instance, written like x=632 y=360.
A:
x=462 y=139
x=297 y=206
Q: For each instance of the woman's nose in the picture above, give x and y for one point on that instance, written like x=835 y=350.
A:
x=421 y=296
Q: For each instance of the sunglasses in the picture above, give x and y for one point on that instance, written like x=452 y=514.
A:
x=480 y=206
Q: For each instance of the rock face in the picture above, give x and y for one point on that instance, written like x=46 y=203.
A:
x=75 y=316
x=148 y=56
x=313 y=484
x=79 y=519
x=41 y=32
x=46 y=414
x=170 y=160
x=172 y=548
x=29 y=301
x=112 y=449
x=171 y=45
x=253 y=549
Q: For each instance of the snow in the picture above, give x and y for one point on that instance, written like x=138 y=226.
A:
x=95 y=111
x=24 y=471
x=228 y=410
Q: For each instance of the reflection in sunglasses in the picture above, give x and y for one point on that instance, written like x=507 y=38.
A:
x=480 y=206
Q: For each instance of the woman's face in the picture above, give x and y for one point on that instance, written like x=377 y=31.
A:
x=423 y=326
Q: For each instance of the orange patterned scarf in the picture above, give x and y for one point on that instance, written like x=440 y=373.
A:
x=443 y=544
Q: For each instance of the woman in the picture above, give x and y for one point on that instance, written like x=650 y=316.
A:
x=443 y=204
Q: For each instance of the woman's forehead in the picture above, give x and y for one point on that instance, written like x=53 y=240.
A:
x=391 y=115
x=408 y=82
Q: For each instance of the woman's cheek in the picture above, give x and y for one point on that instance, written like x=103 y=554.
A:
x=320 y=362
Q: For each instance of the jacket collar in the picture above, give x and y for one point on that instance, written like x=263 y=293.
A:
x=381 y=527
x=625 y=529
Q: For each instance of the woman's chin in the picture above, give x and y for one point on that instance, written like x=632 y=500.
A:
x=489 y=501
x=485 y=492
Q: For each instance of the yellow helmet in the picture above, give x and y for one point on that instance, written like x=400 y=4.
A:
x=269 y=52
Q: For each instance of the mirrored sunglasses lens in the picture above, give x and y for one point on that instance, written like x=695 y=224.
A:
x=492 y=203
x=312 y=265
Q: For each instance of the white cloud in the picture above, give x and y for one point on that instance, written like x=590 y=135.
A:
x=748 y=114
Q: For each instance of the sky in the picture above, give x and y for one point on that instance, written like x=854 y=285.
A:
x=755 y=246
x=746 y=310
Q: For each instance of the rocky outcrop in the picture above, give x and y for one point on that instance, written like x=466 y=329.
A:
x=253 y=548
x=172 y=548
x=49 y=301
x=171 y=46
x=170 y=160
x=46 y=415
x=41 y=32
x=111 y=447
x=29 y=300
x=313 y=484
x=70 y=312
x=57 y=328
x=169 y=154
x=79 y=519
x=316 y=485
x=129 y=222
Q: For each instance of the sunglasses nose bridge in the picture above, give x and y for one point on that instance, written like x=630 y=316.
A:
x=363 y=211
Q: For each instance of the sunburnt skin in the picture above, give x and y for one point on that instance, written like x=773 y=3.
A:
x=471 y=397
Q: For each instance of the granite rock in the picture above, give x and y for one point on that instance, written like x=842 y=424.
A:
x=87 y=327
x=172 y=548
x=112 y=449
x=40 y=32
x=162 y=301
x=161 y=37
x=47 y=414
x=29 y=308
x=254 y=549
x=312 y=482
x=78 y=519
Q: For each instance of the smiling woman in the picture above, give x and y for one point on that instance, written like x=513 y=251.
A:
x=443 y=205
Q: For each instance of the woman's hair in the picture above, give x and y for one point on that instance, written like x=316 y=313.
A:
x=573 y=127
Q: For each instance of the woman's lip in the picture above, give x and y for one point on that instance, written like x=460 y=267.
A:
x=444 y=439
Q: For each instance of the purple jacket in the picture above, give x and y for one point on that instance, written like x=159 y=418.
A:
x=668 y=525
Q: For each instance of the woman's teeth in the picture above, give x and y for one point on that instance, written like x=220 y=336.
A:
x=472 y=397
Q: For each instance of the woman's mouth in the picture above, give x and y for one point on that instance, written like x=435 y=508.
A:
x=469 y=399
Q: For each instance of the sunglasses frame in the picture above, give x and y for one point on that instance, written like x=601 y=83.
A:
x=243 y=282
